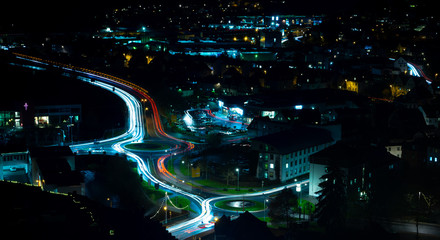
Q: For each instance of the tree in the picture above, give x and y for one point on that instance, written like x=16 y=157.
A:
x=282 y=206
x=332 y=199
x=214 y=140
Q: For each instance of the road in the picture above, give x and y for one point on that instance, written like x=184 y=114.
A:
x=142 y=111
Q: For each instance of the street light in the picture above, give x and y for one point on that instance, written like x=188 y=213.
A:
x=165 y=208
x=417 y=217
x=264 y=202
x=238 y=178
x=189 y=173
x=298 y=189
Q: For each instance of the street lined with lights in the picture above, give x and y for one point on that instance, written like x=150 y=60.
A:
x=135 y=98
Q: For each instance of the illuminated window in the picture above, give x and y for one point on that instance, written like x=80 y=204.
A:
x=271 y=165
x=41 y=120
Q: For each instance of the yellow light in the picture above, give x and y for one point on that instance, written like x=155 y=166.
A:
x=165 y=208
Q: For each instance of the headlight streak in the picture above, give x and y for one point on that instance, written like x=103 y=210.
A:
x=135 y=133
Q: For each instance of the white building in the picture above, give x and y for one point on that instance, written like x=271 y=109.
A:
x=395 y=150
x=401 y=64
x=285 y=155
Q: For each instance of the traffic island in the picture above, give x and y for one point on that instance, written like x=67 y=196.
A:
x=147 y=146
x=240 y=205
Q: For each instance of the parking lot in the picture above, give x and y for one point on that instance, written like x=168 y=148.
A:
x=19 y=175
x=202 y=122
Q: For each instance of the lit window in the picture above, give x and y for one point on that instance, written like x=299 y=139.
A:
x=287 y=165
x=271 y=165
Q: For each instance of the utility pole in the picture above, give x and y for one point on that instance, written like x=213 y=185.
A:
x=238 y=178
x=417 y=218
x=166 y=207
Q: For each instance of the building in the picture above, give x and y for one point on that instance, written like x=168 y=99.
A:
x=262 y=126
x=431 y=114
x=66 y=118
x=433 y=154
x=285 y=155
x=246 y=226
x=53 y=169
x=401 y=64
x=360 y=163
x=57 y=115
x=10 y=119
x=270 y=39
x=11 y=161
x=395 y=150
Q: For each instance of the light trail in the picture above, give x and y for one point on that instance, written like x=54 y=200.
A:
x=222 y=119
x=417 y=71
x=136 y=133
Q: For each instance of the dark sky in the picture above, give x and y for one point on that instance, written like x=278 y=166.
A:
x=58 y=14
x=40 y=13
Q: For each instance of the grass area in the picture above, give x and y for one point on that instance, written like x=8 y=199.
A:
x=181 y=202
x=147 y=146
x=151 y=192
x=306 y=206
x=224 y=205
x=221 y=187
x=265 y=219
x=170 y=166
x=212 y=183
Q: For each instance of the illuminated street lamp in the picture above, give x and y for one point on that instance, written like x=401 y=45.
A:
x=298 y=189
x=238 y=178
x=264 y=203
x=165 y=208
x=189 y=173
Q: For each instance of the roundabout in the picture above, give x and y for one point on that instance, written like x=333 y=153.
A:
x=240 y=205
x=148 y=146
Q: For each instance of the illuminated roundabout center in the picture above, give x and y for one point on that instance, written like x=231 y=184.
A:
x=148 y=146
x=239 y=205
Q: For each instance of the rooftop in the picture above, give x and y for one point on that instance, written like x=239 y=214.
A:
x=299 y=137
x=347 y=156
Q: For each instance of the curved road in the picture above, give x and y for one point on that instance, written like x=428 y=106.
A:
x=136 y=99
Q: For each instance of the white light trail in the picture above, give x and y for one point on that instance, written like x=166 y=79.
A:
x=136 y=133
